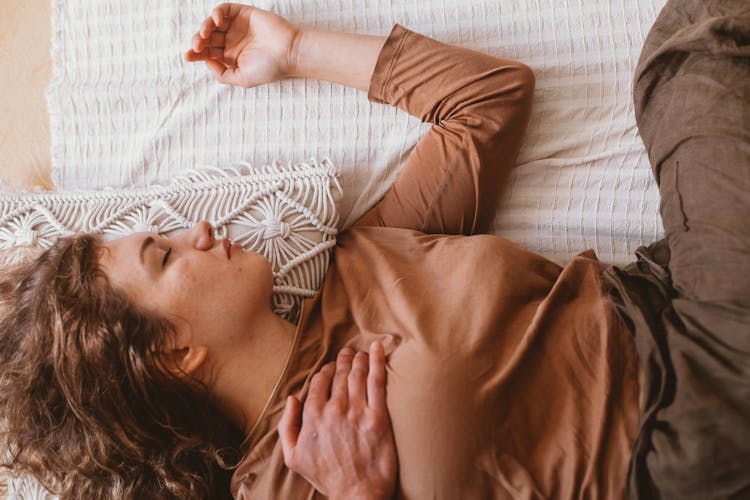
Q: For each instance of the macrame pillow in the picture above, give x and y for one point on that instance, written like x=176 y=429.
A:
x=286 y=212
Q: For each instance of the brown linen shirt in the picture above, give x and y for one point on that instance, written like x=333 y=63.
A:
x=508 y=376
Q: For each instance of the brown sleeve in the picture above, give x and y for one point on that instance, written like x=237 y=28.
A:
x=479 y=106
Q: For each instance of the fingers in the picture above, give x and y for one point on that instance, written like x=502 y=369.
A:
x=223 y=14
x=216 y=22
x=289 y=428
x=358 y=379
x=339 y=390
x=207 y=49
x=215 y=41
x=349 y=381
x=208 y=26
x=205 y=55
x=376 y=377
x=321 y=382
x=208 y=42
x=220 y=19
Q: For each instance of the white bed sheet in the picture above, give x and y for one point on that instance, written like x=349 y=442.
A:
x=126 y=110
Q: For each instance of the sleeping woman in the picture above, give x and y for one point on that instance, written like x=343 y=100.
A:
x=148 y=367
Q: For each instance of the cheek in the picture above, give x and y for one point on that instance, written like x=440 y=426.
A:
x=180 y=290
x=256 y=275
x=185 y=278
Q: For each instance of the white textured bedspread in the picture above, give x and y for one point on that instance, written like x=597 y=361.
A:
x=127 y=110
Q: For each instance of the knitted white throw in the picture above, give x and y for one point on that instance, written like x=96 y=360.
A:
x=286 y=212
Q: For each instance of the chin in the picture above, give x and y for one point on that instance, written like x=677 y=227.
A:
x=267 y=267
x=265 y=279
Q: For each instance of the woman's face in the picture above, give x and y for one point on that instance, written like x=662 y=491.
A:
x=202 y=285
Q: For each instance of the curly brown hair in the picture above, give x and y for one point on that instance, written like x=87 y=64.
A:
x=85 y=405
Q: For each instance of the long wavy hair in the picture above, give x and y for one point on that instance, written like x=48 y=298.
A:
x=85 y=404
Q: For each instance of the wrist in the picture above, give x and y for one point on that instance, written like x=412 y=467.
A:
x=344 y=58
x=293 y=56
x=309 y=54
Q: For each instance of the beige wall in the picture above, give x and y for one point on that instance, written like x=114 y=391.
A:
x=25 y=71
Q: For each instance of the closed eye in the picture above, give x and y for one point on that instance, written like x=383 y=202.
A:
x=166 y=257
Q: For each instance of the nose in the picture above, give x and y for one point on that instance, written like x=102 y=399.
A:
x=201 y=235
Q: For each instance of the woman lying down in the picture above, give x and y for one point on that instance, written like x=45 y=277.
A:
x=148 y=367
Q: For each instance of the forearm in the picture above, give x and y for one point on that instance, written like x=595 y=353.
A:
x=345 y=58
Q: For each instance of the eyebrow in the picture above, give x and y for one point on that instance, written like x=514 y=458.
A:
x=145 y=244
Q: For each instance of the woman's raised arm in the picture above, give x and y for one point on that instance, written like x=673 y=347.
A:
x=479 y=105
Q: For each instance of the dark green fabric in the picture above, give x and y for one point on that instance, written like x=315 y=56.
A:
x=687 y=297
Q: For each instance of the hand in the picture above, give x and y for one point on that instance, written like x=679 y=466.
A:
x=344 y=446
x=244 y=45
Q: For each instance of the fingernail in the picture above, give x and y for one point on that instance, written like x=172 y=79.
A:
x=347 y=351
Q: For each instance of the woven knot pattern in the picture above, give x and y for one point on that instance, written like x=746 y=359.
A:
x=276 y=229
x=25 y=237
x=145 y=228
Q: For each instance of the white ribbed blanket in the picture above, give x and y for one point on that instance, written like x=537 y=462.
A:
x=126 y=110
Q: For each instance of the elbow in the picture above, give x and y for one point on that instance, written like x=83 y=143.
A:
x=511 y=110
x=526 y=83
x=518 y=101
x=513 y=90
